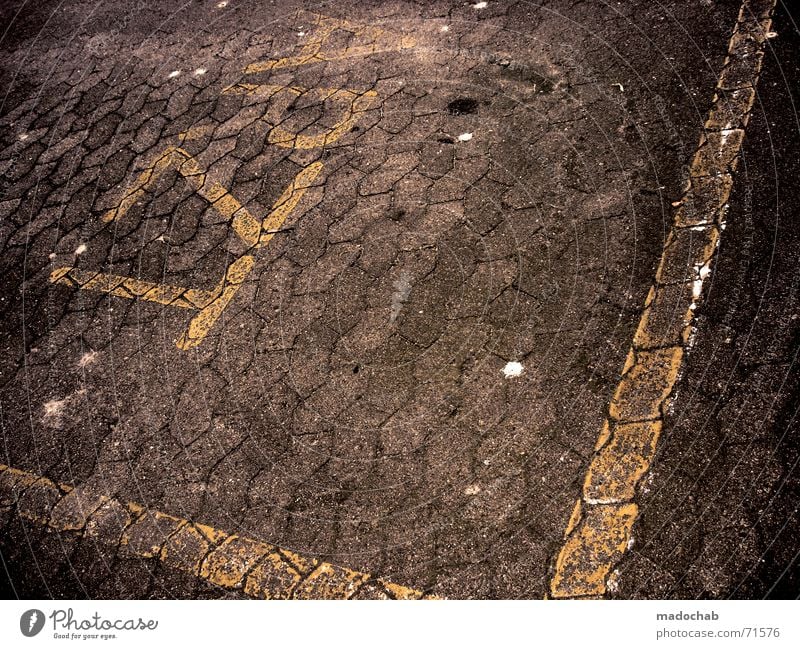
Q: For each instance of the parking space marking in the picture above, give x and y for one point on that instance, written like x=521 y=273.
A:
x=210 y=303
x=371 y=40
x=249 y=229
x=248 y=566
x=244 y=224
x=354 y=103
x=599 y=530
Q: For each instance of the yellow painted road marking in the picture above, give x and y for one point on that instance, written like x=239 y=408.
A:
x=244 y=224
x=599 y=530
x=254 y=233
x=353 y=102
x=287 y=202
x=131 y=288
x=369 y=39
x=252 y=567
x=210 y=303
x=201 y=324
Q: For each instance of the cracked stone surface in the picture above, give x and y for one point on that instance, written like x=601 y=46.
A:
x=349 y=402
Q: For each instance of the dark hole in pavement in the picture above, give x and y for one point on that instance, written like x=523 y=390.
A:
x=446 y=140
x=462 y=106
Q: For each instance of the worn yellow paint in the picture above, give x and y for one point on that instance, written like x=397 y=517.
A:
x=704 y=201
x=646 y=385
x=196 y=132
x=605 y=434
x=402 y=592
x=718 y=150
x=599 y=529
x=135 y=540
x=230 y=561
x=246 y=226
x=330 y=582
x=727 y=106
x=137 y=189
x=208 y=316
x=229 y=564
x=595 y=545
x=210 y=303
x=272 y=578
x=574 y=518
x=661 y=322
x=352 y=104
x=288 y=201
x=369 y=39
x=252 y=231
x=185 y=548
x=132 y=288
x=681 y=262
x=616 y=470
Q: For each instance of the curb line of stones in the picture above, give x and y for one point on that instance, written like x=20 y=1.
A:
x=237 y=563
x=599 y=530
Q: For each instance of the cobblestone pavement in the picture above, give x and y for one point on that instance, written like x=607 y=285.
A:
x=355 y=280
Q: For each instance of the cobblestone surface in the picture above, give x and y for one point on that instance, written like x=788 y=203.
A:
x=192 y=323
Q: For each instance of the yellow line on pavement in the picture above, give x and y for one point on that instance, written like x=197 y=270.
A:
x=599 y=530
x=253 y=232
x=249 y=566
x=369 y=39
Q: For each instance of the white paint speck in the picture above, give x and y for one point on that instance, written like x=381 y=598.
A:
x=88 y=358
x=701 y=271
x=480 y=5
x=199 y=72
x=53 y=410
x=301 y=34
x=697 y=291
x=465 y=137
x=600 y=501
x=445 y=28
x=23 y=137
x=472 y=490
x=52 y=256
x=222 y=5
x=512 y=369
x=53 y=407
x=724 y=135
x=613 y=582
x=174 y=74
x=80 y=249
